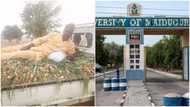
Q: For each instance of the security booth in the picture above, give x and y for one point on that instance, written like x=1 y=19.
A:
x=134 y=52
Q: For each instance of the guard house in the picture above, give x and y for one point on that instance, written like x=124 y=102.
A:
x=134 y=54
x=134 y=48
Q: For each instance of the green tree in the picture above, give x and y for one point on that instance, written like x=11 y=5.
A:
x=166 y=53
x=120 y=56
x=11 y=32
x=108 y=53
x=112 y=52
x=115 y=53
x=101 y=53
x=40 y=18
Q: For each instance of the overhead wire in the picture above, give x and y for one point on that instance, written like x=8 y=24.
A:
x=142 y=8
x=125 y=13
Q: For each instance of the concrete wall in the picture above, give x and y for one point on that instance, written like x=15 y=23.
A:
x=135 y=75
x=48 y=93
x=127 y=59
x=87 y=28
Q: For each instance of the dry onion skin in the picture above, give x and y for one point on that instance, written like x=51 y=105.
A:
x=22 y=71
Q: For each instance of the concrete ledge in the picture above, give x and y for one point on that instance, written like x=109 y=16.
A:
x=45 y=94
x=165 y=73
x=68 y=102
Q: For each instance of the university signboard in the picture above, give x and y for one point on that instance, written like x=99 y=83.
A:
x=144 y=22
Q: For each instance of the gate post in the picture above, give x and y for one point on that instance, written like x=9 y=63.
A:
x=185 y=53
x=145 y=55
x=134 y=54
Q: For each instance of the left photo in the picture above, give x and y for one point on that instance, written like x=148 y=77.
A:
x=47 y=52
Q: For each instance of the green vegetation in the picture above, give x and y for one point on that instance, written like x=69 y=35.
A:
x=166 y=54
x=11 y=32
x=101 y=54
x=40 y=18
x=108 y=54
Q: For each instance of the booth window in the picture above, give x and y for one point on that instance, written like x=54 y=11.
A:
x=131 y=46
x=131 y=56
x=131 y=61
x=137 y=56
x=131 y=67
x=137 y=46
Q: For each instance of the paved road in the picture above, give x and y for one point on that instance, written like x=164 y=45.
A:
x=137 y=94
x=158 y=85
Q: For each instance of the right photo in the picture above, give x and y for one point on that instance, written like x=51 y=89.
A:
x=142 y=53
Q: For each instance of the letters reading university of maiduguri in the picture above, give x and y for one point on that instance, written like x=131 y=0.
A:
x=142 y=22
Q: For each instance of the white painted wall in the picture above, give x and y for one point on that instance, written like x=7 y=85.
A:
x=127 y=57
x=45 y=94
x=87 y=28
x=142 y=56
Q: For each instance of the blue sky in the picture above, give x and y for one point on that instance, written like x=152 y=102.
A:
x=149 y=8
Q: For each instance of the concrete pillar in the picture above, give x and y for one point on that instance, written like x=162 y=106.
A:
x=125 y=57
x=145 y=54
x=185 y=47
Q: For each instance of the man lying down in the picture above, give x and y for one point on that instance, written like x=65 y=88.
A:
x=41 y=47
